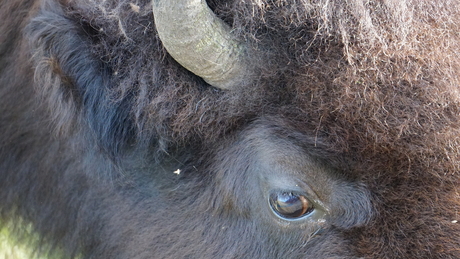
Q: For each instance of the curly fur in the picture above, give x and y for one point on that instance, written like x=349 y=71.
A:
x=373 y=84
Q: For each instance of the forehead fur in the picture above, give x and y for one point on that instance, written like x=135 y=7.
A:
x=380 y=70
x=362 y=74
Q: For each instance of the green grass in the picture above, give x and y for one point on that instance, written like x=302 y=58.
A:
x=25 y=247
x=11 y=248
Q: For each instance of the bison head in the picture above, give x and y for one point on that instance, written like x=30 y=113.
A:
x=235 y=129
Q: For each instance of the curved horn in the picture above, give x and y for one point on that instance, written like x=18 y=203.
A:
x=200 y=42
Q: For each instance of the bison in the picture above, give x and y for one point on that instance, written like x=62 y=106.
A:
x=231 y=128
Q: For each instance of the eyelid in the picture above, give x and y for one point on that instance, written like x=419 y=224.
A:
x=312 y=195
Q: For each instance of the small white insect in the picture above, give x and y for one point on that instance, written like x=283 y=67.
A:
x=135 y=7
x=177 y=172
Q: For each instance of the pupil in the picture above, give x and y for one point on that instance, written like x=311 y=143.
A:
x=289 y=205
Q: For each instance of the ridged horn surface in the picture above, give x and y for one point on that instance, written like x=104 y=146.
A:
x=202 y=43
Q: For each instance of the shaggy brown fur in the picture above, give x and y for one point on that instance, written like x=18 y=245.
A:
x=374 y=84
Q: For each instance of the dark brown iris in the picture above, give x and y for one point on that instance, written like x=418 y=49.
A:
x=290 y=205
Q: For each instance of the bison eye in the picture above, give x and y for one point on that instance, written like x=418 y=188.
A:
x=290 y=205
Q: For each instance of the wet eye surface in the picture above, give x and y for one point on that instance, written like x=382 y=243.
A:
x=290 y=205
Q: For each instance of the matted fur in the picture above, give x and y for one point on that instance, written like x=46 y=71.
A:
x=374 y=84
